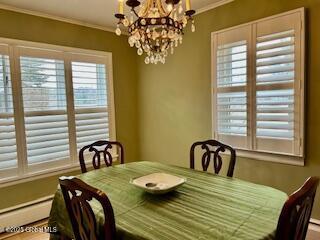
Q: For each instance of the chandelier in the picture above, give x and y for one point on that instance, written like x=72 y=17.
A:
x=155 y=28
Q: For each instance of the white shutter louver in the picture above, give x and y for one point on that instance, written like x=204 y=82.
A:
x=275 y=114
x=232 y=64
x=44 y=100
x=275 y=58
x=90 y=101
x=8 y=148
x=232 y=113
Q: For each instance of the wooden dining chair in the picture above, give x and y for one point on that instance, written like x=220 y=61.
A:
x=77 y=196
x=212 y=150
x=100 y=148
x=295 y=215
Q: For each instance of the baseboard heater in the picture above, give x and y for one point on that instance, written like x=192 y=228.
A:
x=26 y=213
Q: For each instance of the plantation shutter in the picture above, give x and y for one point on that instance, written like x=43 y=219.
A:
x=258 y=87
x=279 y=111
x=8 y=147
x=89 y=79
x=230 y=88
x=53 y=101
x=44 y=102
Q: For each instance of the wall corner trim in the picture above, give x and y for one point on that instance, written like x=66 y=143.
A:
x=212 y=6
x=57 y=18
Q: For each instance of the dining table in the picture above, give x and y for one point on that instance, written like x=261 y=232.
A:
x=206 y=207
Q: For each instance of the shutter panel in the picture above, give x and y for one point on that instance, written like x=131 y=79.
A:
x=90 y=102
x=278 y=76
x=44 y=101
x=230 y=88
x=8 y=148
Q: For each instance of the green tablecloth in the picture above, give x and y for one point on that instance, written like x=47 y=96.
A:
x=207 y=206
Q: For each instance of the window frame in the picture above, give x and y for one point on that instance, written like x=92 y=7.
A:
x=249 y=152
x=11 y=47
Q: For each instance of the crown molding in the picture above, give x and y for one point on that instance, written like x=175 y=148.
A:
x=90 y=25
x=62 y=19
x=212 y=6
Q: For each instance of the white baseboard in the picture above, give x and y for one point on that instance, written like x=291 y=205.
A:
x=315 y=221
x=26 y=214
x=314 y=225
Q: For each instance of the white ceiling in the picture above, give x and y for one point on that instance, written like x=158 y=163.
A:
x=94 y=12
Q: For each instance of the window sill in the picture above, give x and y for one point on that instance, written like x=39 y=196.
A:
x=271 y=157
x=37 y=175
x=6 y=182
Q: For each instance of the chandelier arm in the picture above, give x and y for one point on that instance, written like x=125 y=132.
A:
x=134 y=11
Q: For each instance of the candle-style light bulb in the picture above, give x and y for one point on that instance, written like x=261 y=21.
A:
x=188 y=5
x=121 y=6
x=180 y=8
x=169 y=7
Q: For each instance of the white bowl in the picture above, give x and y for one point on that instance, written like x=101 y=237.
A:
x=158 y=183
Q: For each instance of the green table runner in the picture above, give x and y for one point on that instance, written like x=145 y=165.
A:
x=206 y=207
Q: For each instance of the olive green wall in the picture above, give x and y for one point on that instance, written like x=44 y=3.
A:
x=161 y=110
x=37 y=29
x=174 y=99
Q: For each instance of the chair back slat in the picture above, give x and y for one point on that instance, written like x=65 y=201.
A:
x=77 y=196
x=295 y=215
x=101 y=151
x=211 y=153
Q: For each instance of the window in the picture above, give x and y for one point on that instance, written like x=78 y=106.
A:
x=258 y=87
x=61 y=101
